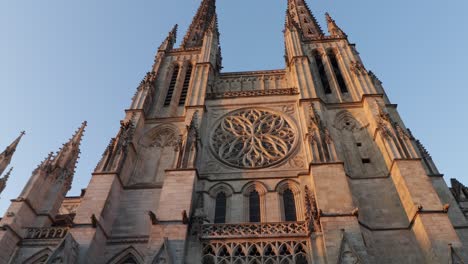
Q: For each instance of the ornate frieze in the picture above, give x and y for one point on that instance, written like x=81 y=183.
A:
x=252 y=93
x=252 y=138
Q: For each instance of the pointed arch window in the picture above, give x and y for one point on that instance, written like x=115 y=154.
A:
x=220 y=209
x=129 y=259
x=172 y=84
x=322 y=73
x=254 y=207
x=337 y=71
x=185 y=87
x=289 y=204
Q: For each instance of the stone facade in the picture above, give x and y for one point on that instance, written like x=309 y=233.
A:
x=307 y=164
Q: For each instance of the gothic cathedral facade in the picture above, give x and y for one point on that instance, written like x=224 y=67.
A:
x=306 y=164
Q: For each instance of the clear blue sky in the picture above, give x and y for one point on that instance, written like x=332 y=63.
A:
x=62 y=62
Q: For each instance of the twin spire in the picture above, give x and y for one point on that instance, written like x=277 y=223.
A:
x=205 y=20
x=298 y=15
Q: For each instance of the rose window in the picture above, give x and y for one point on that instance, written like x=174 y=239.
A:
x=253 y=138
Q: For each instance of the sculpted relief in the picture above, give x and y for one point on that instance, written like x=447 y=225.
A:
x=253 y=138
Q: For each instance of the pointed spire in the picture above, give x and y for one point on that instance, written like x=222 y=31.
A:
x=333 y=29
x=205 y=20
x=299 y=15
x=4 y=180
x=7 y=154
x=68 y=155
x=171 y=39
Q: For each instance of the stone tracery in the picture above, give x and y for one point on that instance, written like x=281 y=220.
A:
x=253 y=138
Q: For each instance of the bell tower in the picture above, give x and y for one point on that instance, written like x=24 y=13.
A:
x=310 y=163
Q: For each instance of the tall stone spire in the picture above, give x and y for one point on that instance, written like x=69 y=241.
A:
x=170 y=40
x=63 y=164
x=204 y=20
x=333 y=28
x=299 y=14
x=7 y=154
x=68 y=155
x=3 y=181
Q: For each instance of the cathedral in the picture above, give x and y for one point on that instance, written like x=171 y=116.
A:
x=308 y=164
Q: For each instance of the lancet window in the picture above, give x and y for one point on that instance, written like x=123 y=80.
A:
x=254 y=207
x=172 y=84
x=322 y=73
x=289 y=206
x=220 y=210
x=185 y=87
x=337 y=71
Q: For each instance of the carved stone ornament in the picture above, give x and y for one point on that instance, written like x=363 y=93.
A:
x=253 y=138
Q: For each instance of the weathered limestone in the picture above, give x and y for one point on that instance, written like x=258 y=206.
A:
x=306 y=164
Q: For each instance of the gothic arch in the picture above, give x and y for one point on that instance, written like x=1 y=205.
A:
x=359 y=151
x=159 y=151
x=213 y=193
x=39 y=257
x=160 y=136
x=262 y=190
x=221 y=187
x=345 y=120
x=288 y=184
x=260 y=187
x=296 y=190
x=129 y=253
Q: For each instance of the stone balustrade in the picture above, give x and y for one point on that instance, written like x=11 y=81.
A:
x=46 y=232
x=255 y=230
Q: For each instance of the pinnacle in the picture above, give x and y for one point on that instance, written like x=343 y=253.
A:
x=7 y=175
x=298 y=13
x=201 y=23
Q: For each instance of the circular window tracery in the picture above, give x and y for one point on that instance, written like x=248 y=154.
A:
x=253 y=138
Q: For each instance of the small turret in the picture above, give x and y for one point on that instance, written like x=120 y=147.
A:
x=4 y=180
x=7 y=154
x=333 y=29
x=171 y=39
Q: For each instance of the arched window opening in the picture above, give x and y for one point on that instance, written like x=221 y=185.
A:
x=322 y=73
x=183 y=95
x=254 y=207
x=337 y=71
x=220 y=209
x=172 y=84
x=289 y=206
x=129 y=260
x=42 y=260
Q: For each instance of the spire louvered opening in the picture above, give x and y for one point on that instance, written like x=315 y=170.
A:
x=337 y=72
x=172 y=84
x=185 y=88
x=322 y=73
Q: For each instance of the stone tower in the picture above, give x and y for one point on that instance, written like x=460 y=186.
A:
x=306 y=164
